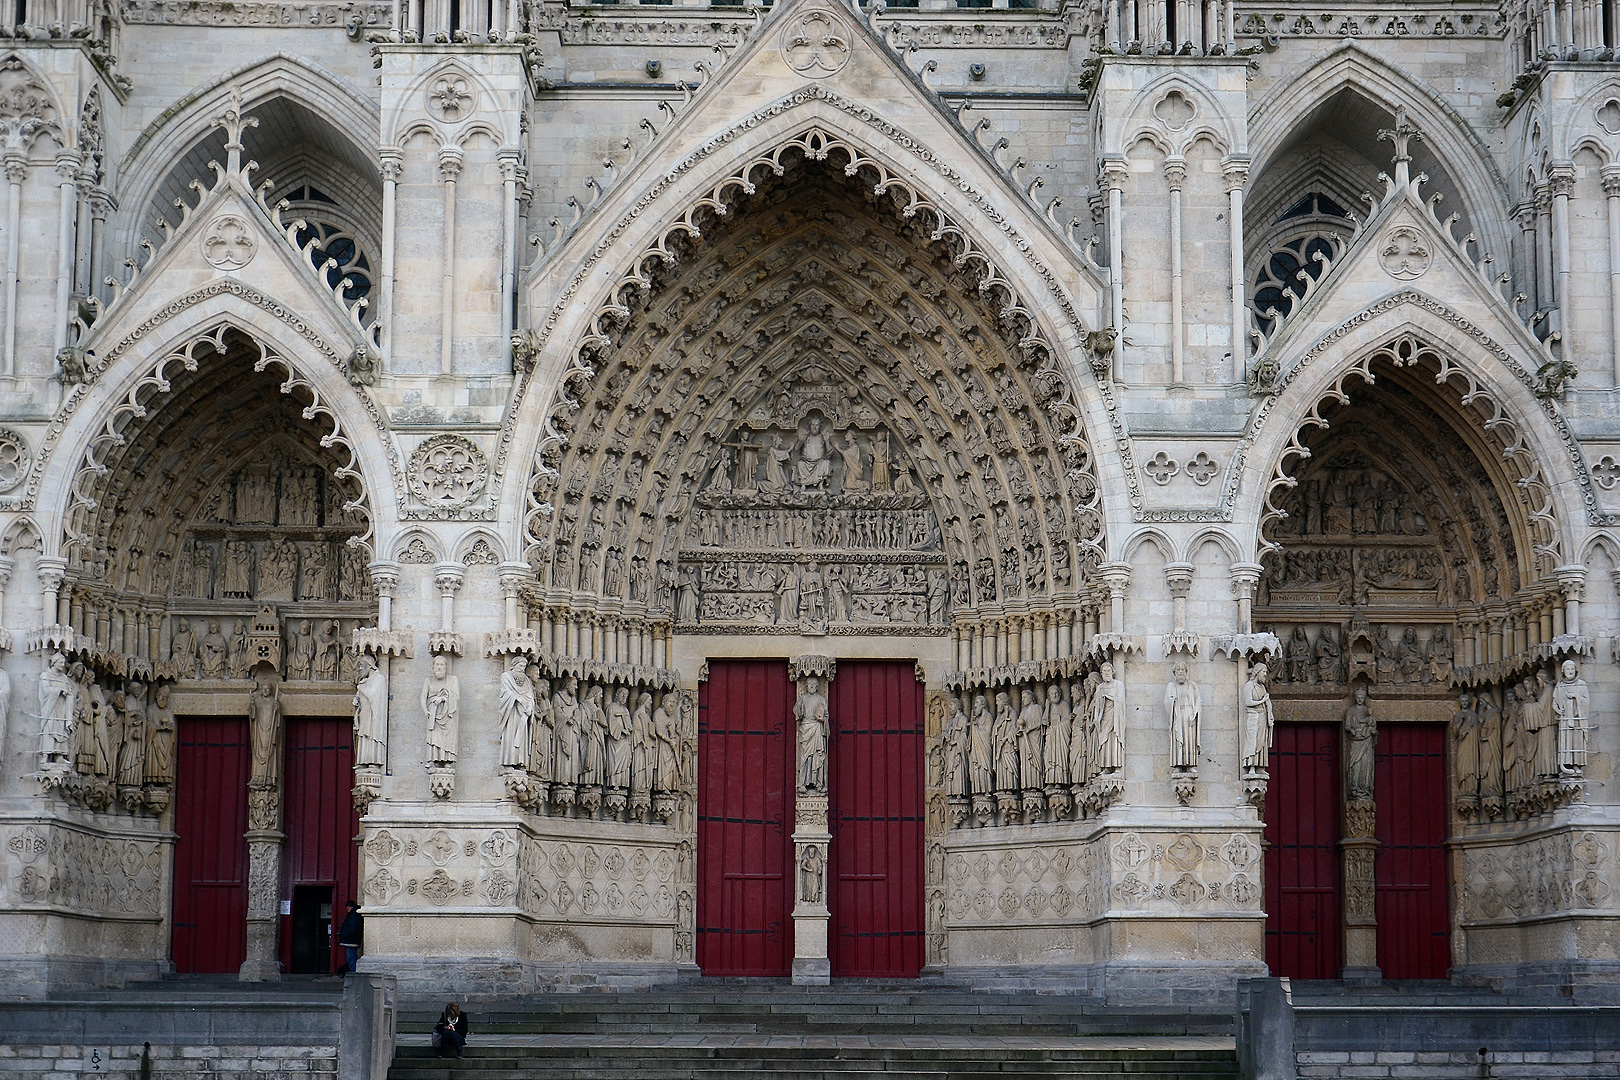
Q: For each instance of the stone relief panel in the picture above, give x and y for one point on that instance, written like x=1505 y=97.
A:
x=53 y=866
x=1561 y=872
x=574 y=879
x=1045 y=883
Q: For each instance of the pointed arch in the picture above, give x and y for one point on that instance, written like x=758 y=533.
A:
x=1042 y=308
x=458 y=88
x=94 y=415
x=1537 y=466
x=1277 y=117
x=167 y=140
x=1208 y=119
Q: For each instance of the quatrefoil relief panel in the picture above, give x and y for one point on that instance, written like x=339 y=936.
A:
x=1606 y=472
x=1161 y=467
x=1202 y=468
x=448 y=472
x=1175 y=111
x=1608 y=116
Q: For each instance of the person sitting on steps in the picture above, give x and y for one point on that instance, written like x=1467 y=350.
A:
x=450 y=1033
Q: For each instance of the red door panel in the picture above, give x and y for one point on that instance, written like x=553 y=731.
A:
x=1303 y=899
x=1409 y=788
x=319 y=818
x=876 y=815
x=210 y=855
x=745 y=819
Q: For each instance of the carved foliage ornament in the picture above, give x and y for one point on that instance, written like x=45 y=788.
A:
x=448 y=472
x=26 y=111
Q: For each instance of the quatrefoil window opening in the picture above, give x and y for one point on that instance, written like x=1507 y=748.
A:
x=1606 y=472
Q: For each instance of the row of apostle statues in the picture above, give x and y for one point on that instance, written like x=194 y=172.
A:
x=1049 y=751
x=597 y=749
x=1042 y=751
x=102 y=744
x=1524 y=751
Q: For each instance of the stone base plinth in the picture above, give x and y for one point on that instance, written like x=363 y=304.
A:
x=808 y=971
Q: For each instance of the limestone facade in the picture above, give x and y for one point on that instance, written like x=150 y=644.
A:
x=1154 y=376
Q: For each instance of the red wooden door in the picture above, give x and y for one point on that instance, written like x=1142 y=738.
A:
x=320 y=822
x=745 y=819
x=876 y=814
x=1303 y=898
x=1409 y=788
x=210 y=854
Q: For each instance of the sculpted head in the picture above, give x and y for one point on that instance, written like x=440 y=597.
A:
x=1568 y=670
x=1180 y=672
x=441 y=666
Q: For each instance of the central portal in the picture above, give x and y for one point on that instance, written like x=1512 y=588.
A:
x=746 y=747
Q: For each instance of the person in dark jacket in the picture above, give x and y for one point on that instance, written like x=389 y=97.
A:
x=450 y=1033
x=350 y=935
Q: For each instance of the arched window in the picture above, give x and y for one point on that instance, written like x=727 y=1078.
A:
x=1311 y=227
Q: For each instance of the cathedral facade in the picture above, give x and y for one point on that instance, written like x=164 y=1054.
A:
x=1117 y=496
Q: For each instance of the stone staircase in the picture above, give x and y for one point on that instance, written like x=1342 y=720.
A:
x=735 y=1030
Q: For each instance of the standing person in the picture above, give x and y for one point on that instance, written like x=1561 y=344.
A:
x=350 y=936
x=450 y=1033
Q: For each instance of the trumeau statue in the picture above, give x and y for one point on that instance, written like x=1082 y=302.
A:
x=441 y=701
x=371 y=714
x=810 y=710
x=264 y=729
x=1360 y=733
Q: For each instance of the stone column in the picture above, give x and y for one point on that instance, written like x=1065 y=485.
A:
x=812 y=965
x=264 y=836
x=1114 y=170
x=449 y=170
x=1175 y=175
x=16 y=169
x=1235 y=171
x=1359 y=844
x=392 y=164
x=1562 y=178
x=510 y=159
x=67 y=169
x=1611 y=192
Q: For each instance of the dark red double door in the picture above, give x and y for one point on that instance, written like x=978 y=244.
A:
x=746 y=752
x=319 y=861
x=1304 y=890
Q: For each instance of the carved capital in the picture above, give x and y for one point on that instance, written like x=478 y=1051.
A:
x=510 y=159
x=1235 y=171
x=384 y=578
x=51 y=572
x=450 y=161
x=68 y=163
x=16 y=167
x=1179 y=576
x=1117 y=576
x=1113 y=172
x=1561 y=176
x=391 y=163
x=514 y=575
x=1175 y=171
x=1245 y=576
x=1611 y=180
x=448 y=577
x=1572 y=581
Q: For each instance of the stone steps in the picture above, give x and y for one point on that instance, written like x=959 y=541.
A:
x=711 y=1031
x=805 y=1061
